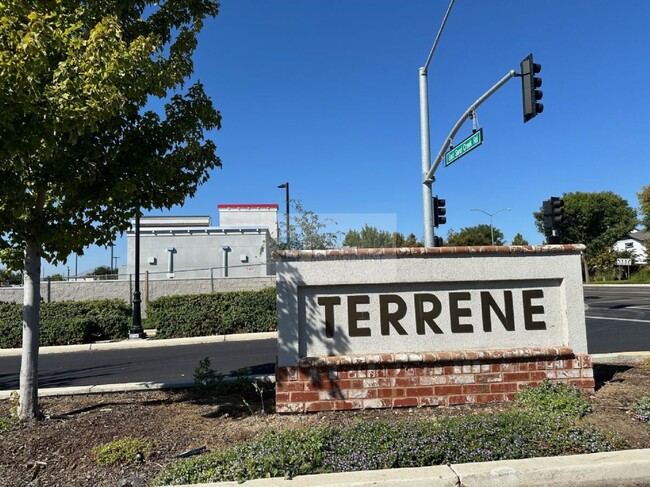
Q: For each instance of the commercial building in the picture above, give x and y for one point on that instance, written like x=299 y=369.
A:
x=189 y=247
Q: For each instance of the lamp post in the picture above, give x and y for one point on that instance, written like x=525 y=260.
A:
x=286 y=188
x=425 y=143
x=491 y=215
x=136 y=326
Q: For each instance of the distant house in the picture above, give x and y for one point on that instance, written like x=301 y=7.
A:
x=189 y=247
x=635 y=243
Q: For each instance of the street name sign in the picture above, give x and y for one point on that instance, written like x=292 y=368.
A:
x=623 y=261
x=470 y=143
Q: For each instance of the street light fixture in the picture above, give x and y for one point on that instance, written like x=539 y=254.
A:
x=288 y=229
x=491 y=215
x=136 y=327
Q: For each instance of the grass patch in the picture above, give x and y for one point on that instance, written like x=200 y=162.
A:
x=8 y=423
x=544 y=421
x=124 y=451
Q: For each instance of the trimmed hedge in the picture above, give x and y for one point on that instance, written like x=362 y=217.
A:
x=68 y=322
x=213 y=314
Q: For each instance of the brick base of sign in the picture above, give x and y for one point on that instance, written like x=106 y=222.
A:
x=423 y=379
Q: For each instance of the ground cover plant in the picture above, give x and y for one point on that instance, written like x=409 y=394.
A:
x=544 y=421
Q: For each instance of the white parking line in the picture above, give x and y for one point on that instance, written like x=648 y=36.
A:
x=617 y=319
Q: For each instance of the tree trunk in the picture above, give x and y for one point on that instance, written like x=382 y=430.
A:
x=28 y=402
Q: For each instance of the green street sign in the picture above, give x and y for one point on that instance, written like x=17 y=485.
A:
x=470 y=143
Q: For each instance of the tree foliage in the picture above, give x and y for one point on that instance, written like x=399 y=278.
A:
x=309 y=231
x=596 y=219
x=80 y=151
x=369 y=238
x=477 y=235
x=644 y=206
x=519 y=240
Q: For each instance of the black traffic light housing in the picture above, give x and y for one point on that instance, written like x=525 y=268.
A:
x=529 y=88
x=439 y=211
x=553 y=210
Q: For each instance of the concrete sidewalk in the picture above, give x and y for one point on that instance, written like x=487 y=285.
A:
x=620 y=468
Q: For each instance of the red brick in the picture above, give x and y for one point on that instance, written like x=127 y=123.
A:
x=516 y=376
x=290 y=386
x=538 y=375
x=402 y=402
x=406 y=381
x=304 y=396
x=483 y=398
x=476 y=389
x=319 y=406
x=284 y=374
x=448 y=390
x=504 y=387
x=282 y=397
x=458 y=400
x=419 y=391
x=488 y=378
x=585 y=383
x=391 y=392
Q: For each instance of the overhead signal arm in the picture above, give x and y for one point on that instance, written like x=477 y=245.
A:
x=468 y=113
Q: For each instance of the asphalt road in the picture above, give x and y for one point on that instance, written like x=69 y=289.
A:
x=143 y=364
x=618 y=320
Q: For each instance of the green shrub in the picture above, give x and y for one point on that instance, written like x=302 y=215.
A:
x=124 y=451
x=554 y=398
x=213 y=314
x=68 y=322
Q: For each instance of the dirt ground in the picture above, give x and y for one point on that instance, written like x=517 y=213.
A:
x=57 y=450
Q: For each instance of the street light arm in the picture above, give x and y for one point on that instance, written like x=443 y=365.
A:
x=429 y=176
x=435 y=42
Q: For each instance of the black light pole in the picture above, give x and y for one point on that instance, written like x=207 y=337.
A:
x=136 y=327
x=286 y=187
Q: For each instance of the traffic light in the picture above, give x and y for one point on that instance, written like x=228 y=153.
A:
x=437 y=241
x=439 y=212
x=553 y=209
x=529 y=88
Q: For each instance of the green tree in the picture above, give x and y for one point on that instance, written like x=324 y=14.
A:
x=370 y=238
x=644 y=206
x=7 y=276
x=477 y=235
x=519 y=240
x=80 y=152
x=597 y=220
x=104 y=272
x=308 y=230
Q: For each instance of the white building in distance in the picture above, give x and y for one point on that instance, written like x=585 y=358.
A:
x=188 y=247
x=635 y=243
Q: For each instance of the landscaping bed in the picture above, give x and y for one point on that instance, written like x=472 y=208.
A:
x=60 y=450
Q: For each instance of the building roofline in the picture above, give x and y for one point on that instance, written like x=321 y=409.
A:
x=270 y=206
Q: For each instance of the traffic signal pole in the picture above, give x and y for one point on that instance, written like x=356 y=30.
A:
x=425 y=143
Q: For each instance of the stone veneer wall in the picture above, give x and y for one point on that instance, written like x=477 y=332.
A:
x=424 y=379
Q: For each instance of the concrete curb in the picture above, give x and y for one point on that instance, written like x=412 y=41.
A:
x=620 y=468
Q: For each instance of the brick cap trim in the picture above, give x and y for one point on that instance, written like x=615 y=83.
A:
x=334 y=254
x=432 y=357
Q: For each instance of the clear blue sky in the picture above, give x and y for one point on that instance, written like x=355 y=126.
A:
x=324 y=94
